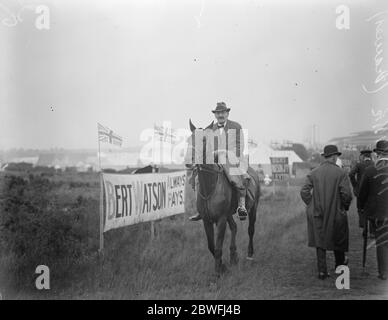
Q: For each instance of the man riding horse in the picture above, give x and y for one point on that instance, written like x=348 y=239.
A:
x=229 y=133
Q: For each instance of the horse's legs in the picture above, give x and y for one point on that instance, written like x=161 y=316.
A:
x=209 y=235
x=233 y=251
x=251 y=229
x=221 y=227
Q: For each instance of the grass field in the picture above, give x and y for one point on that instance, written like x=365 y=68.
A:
x=54 y=221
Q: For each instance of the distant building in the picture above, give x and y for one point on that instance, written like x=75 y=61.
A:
x=80 y=160
x=18 y=166
x=358 y=140
x=31 y=160
x=260 y=157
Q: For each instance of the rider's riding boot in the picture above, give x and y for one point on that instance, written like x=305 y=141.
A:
x=197 y=217
x=241 y=210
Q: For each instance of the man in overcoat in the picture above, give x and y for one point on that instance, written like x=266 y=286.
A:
x=355 y=176
x=373 y=195
x=327 y=194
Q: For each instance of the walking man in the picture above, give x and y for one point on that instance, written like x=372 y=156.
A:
x=327 y=194
x=355 y=176
x=373 y=196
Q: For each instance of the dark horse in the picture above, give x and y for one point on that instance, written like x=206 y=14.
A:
x=216 y=203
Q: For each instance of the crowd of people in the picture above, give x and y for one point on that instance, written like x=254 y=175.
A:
x=328 y=194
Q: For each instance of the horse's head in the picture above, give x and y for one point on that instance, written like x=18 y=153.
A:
x=202 y=152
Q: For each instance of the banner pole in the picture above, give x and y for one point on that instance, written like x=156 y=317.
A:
x=152 y=222
x=101 y=199
x=152 y=231
x=101 y=215
x=273 y=187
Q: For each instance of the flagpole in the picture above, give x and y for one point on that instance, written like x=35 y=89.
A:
x=153 y=147
x=99 y=150
x=101 y=198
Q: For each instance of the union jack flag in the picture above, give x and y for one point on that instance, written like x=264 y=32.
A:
x=164 y=133
x=159 y=131
x=107 y=135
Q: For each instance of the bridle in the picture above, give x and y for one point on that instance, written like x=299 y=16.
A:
x=217 y=171
x=196 y=168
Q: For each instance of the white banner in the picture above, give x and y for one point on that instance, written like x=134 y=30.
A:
x=130 y=199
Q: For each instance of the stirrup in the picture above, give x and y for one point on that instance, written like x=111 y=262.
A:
x=242 y=213
x=195 y=218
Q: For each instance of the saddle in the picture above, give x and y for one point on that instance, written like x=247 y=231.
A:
x=252 y=184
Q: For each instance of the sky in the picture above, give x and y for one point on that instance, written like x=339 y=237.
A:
x=281 y=66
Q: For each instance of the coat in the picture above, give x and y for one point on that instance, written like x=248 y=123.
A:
x=327 y=194
x=233 y=137
x=229 y=138
x=356 y=174
x=373 y=194
x=235 y=163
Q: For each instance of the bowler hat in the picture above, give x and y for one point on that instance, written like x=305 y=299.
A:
x=366 y=151
x=381 y=146
x=221 y=106
x=330 y=150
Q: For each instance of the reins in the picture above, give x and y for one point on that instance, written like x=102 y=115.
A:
x=217 y=172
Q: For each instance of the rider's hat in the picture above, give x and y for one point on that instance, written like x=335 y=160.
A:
x=221 y=107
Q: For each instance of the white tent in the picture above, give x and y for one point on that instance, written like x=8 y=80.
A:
x=261 y=154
